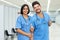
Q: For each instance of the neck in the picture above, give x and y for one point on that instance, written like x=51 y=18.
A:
x=25 y=16
x=40 y=15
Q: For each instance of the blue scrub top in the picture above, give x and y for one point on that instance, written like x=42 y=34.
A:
x=41 y=29
x=24 y=25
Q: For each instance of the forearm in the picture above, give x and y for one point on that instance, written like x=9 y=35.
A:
x=22 y=32
x=32 y=37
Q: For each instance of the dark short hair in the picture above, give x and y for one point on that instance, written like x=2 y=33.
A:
x=23 y=8
x=34 y=3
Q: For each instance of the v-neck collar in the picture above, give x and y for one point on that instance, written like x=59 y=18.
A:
x=40 y=17
x=26 y=20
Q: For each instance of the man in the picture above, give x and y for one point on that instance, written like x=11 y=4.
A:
x=41 y=22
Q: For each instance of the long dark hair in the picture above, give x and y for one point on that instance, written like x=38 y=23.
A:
x=23 y=8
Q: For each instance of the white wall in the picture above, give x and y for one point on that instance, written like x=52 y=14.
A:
x=1 y=23
x=8 y=15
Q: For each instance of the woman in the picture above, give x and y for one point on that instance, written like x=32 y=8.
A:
x=23 y=24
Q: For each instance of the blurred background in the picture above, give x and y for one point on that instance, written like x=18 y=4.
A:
x=10 y=10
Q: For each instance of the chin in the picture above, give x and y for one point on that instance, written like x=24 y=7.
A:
x=38 y=11
x=25 y=14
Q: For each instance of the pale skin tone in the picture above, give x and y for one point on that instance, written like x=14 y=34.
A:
x=25 y=15
x=37 y=9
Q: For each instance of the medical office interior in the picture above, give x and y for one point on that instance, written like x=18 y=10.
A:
x=10 y=10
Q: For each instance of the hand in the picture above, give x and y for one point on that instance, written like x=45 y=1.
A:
x=29 y=35
x=32 y=30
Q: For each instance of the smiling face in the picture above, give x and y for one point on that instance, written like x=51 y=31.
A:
x=25 y=10
x=37 y=8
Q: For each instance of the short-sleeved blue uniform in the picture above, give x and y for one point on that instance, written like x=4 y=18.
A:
x=41 y=29
x=24 y=25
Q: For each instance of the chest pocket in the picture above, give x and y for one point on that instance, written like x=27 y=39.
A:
x=40 y=23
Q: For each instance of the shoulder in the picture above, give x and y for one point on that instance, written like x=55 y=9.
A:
x=19 y=18
x=29 y=16
x=47 y=17
x=45 y=13
x=33 y=18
